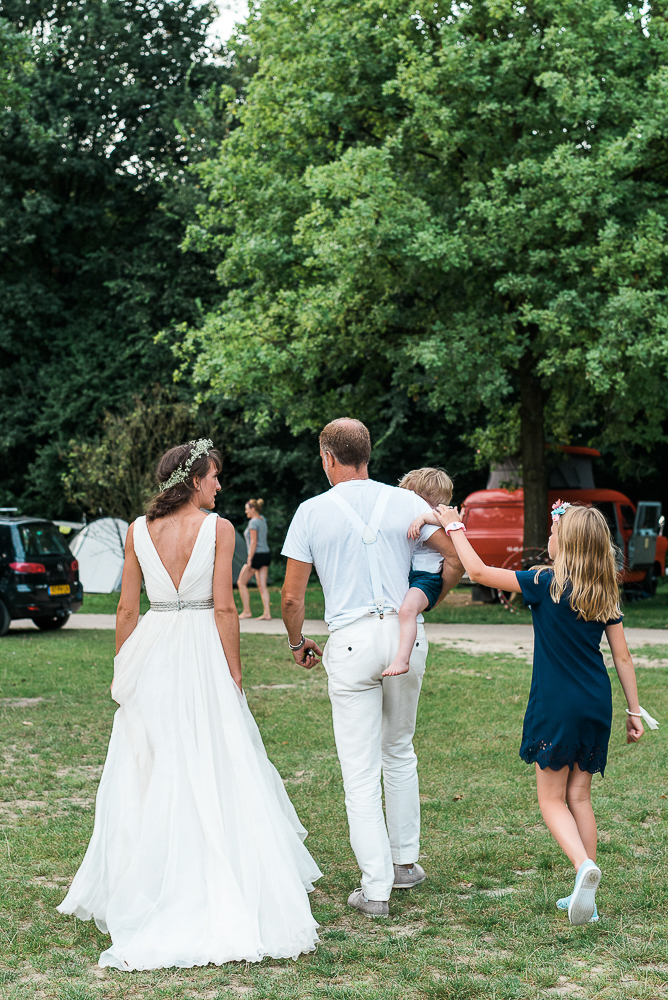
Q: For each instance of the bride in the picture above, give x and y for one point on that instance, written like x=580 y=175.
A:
x=196 y=854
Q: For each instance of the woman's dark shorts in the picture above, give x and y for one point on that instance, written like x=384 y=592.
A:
x=261 y=559
x=430 y=584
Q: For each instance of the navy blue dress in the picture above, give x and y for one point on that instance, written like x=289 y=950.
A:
x=569 y=714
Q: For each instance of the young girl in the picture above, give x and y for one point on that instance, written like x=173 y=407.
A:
x=425 y=582
x=569 y=714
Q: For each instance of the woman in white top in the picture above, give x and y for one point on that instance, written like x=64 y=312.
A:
x=196 y=854
x=259 y=559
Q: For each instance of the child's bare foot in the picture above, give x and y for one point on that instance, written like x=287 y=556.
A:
x=245 y=614
x=263 y=618
x=396 y=667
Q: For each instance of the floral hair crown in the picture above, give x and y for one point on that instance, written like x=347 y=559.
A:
x=182 y=471
x=559 y=508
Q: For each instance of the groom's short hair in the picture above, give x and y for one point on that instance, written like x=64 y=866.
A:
x=348 y=441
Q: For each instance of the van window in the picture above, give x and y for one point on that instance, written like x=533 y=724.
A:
x=42 y=540
x=489 y=518
x=628 y=517
x=608 y=510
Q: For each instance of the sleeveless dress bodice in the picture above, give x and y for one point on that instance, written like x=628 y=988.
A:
x=197 y=853
x=197 y=580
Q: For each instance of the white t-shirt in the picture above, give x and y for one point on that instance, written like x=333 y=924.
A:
x=321 y=534
x=425 y=559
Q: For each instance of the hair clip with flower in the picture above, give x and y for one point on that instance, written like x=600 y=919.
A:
x=559 y=508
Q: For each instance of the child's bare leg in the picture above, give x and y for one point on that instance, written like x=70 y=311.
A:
x=578 y=798
x=242 y=583
x=552 y=789
x=415 y=602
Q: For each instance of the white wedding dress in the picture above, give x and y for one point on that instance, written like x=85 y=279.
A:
x=196 y=854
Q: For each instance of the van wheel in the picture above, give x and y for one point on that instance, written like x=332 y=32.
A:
x=522 y=560
x=5 y=619
x=649 y=582
x=485 y=594
x=52 y=622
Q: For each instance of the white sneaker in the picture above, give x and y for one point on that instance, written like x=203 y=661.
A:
x=371 y=907
x=583 y=898
x=563 y=904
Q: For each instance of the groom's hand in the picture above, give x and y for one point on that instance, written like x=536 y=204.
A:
x=308 y=655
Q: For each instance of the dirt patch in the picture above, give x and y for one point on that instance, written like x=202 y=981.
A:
x=44 y=880
x=20 y=702
x=461 y=600
x=87 y=771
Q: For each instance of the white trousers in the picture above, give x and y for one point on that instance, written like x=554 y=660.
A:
x=374 y=724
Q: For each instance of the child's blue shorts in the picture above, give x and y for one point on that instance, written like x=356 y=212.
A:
x=430 y=584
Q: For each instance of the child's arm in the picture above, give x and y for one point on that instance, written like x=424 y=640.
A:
x=627 y=678
x=419 y=523
x=478 y=571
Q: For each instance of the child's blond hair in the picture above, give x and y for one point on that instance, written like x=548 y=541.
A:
x=433 y=485
x=585 y=565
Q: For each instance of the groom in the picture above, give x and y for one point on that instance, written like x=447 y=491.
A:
x=355 y=536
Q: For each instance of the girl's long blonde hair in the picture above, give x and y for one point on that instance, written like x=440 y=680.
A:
x=584 y=566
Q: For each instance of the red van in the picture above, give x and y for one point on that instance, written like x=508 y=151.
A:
x=494 y=521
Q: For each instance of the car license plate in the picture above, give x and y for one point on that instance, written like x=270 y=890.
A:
x=62 y=588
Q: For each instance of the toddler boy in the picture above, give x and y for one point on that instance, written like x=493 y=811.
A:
x=425 y=580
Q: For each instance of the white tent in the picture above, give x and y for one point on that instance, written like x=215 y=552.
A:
x=99 y=549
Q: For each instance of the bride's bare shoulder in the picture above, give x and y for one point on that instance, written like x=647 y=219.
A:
x=224 y=528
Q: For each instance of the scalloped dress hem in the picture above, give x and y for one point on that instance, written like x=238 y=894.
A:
x=591 y=766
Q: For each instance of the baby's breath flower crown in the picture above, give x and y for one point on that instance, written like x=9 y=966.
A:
x=182 y=471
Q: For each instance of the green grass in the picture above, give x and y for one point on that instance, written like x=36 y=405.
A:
x=652 y=613
x=452 y=938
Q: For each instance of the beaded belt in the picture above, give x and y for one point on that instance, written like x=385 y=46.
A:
x=180 y=605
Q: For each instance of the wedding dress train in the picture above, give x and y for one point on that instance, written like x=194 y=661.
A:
x=196 y=854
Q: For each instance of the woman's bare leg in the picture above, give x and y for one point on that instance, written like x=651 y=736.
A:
x=261 y=577
x=414 y=603
x=242 y=583
x=552 y=790
x=578 y=799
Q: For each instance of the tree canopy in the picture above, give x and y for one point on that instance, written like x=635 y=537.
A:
x=94 y=198
x=463 y=205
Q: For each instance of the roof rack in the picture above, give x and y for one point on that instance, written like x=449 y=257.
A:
x=9 y=510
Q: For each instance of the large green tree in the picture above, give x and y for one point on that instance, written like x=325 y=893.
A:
x=95 y=193
x=465 y=205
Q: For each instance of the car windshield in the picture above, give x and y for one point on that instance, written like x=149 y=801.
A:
x=43 y=540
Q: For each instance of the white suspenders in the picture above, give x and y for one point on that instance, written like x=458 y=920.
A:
x=369 y=533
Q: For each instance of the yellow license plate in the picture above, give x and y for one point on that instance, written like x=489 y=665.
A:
x=63 y=588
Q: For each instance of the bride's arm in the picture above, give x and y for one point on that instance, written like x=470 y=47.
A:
x=127 y=613
x=225 y=610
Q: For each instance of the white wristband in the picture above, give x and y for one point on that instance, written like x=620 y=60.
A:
x=454 y=526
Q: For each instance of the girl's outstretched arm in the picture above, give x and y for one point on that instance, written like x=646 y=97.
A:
x=478 y=571
x=627 y=678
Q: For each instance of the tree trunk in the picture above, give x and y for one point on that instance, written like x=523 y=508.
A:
x=534 y=469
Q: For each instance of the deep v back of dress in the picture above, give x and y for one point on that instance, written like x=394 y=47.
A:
x=197 y=854
x=196 y=582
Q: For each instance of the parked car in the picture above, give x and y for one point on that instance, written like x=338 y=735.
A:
x=39 y=576
x=494 y=521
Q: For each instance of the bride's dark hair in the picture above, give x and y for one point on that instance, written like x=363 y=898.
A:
x=176 y=496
